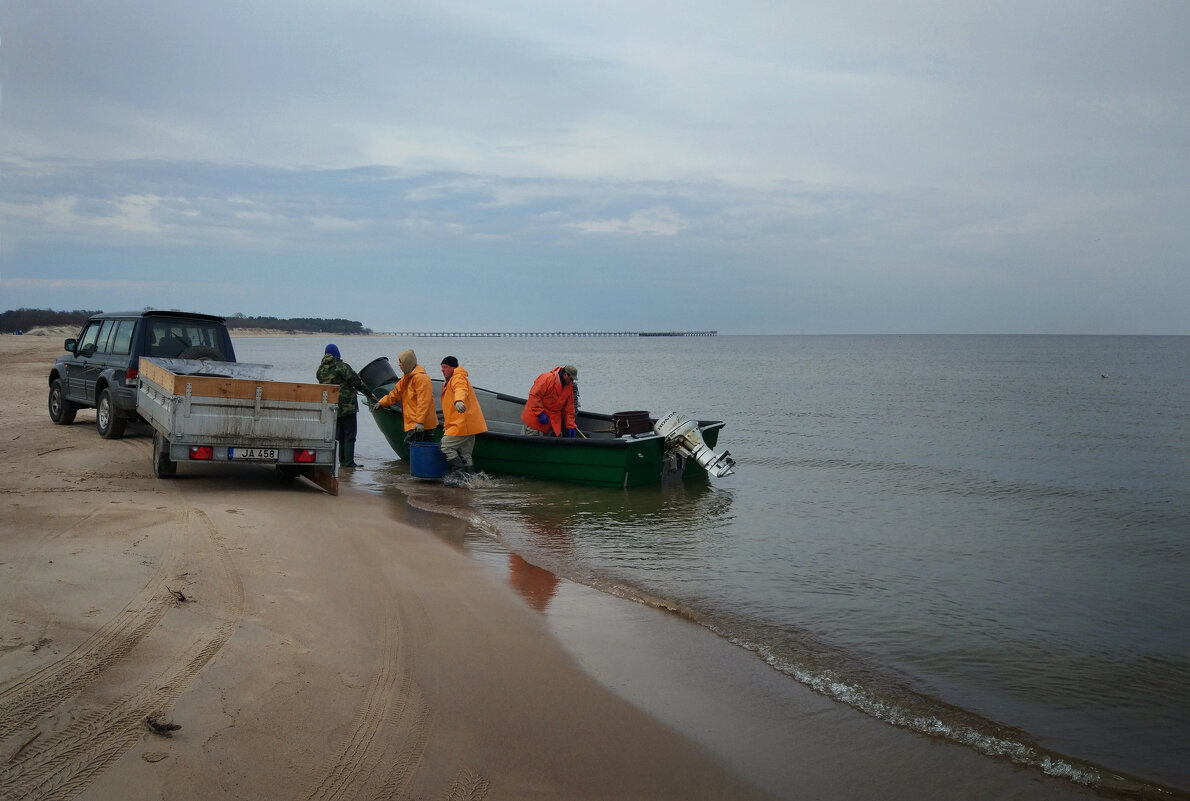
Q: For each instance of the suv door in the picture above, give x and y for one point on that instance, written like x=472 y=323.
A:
x=82 y=371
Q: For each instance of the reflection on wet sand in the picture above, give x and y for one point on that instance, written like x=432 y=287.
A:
x=537 y=585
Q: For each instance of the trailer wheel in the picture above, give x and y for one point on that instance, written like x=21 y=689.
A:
x=163 y=466
x=108 y=421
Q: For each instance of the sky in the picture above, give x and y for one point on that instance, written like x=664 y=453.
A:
x=749 y=167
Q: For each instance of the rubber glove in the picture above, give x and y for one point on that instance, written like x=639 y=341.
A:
x=370 y=401
x=460 y=407
x=543 y=418
x=572 y=432
x=419 y=428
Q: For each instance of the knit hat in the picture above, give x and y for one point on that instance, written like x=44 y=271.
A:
x=408 y=360
x=451 y=360
x=332 y=350
x=570 y=368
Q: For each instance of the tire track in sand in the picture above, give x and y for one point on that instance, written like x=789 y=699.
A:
x=467 y=786
x=41 y=691
x=61 y=766
x=388 y=734
x=391 y=728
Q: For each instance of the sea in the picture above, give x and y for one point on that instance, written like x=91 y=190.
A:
x=985 y=539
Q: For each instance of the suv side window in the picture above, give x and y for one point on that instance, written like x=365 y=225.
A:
x=121 y=342
x=102 y=346
x=86 y=346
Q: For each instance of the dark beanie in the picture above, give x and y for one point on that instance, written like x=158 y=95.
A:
x=332 y=350
x=451 y=360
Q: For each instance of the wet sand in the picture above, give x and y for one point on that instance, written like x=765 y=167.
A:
x=309 y=646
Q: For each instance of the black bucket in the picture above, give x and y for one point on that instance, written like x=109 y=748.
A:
x=377 y=373
x=631 y=423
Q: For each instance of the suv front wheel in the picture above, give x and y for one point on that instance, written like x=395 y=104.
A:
x=109 y=423
x=62 y=411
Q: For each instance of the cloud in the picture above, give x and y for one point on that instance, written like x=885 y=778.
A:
x=127 y=214
x=106 y=286
x=847 y=151
x=657 y=222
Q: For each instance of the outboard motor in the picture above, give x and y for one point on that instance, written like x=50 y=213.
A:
x=682 y=434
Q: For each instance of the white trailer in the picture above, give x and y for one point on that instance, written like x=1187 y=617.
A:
x=210 y=412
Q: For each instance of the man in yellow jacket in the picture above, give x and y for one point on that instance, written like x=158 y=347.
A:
x=462 y=418
x=415 y=393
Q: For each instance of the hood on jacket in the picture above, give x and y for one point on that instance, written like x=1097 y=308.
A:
x=408 y=360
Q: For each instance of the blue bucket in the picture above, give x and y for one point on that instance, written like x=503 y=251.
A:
x=426 y=460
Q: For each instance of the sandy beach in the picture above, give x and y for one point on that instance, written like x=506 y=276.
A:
x=310 y=646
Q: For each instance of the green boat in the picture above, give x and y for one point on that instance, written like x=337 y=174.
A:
x=625 y=449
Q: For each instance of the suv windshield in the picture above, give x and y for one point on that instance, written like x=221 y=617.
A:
x=169 y=338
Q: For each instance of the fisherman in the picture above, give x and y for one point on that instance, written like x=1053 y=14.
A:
x=415 y=393
x=462 y=419
x=333 y=370
x=550 y=408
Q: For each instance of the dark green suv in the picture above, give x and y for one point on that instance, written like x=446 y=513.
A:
x=101 y=366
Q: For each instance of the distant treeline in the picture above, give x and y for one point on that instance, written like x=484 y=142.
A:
x=23 y=319
x=307 y=325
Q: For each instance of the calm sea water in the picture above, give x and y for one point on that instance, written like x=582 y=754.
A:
x=980 y=538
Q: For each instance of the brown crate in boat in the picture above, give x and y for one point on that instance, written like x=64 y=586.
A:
x=631 y=423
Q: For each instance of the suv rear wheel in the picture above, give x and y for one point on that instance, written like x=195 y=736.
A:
x=62 y=411
x=108 y=422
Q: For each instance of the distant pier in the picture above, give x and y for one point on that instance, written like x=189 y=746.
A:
x=451 y=334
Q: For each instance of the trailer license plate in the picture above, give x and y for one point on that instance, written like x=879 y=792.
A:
x=254 y=454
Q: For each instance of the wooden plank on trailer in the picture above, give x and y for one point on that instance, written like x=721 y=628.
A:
x=236 y=388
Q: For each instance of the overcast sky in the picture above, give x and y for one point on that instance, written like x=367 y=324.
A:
x=752 y=167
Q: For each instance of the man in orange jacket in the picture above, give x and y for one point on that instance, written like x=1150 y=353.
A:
x=550 y=407
x=415 y=393
x=461 y=417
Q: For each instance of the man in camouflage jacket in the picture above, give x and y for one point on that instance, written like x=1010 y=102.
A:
x=333 y=370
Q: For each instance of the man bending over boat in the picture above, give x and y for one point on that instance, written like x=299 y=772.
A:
x=461 y=417
x=550 y=408
x=415 y=393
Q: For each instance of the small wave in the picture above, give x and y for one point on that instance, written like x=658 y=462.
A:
x=942 y=480
x=900 y=706
x=910 y=710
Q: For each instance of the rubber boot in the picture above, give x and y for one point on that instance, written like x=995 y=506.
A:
x=347 y=455
x=458 y=472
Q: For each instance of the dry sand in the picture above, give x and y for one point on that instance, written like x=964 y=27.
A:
x=311 y=646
